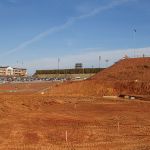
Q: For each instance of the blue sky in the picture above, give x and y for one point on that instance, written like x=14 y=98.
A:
x=37 y=32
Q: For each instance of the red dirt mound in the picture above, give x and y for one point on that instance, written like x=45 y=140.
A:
x=130 y=69
x=130 y=76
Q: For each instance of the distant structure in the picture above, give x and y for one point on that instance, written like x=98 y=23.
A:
x=78 y=66
x=9 y=71
x=125 y=57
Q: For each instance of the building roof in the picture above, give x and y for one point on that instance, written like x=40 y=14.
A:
x=12 y=67
x=20 y=68
x=4 y=66
x=9 y=68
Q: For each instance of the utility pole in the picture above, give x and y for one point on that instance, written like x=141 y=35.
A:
x=99 y=61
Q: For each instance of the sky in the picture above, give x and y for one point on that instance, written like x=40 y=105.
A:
x=35 y=33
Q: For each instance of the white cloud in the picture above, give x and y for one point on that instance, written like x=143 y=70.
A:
x=68 y=23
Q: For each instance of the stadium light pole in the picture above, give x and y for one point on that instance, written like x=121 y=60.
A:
x=134 y=34
x=99 y=61
x=58 y=64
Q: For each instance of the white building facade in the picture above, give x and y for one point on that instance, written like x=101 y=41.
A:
x=9 y=71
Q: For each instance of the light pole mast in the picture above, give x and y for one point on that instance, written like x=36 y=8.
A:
x=58 y=64
x=134 y=33
x=99 y=61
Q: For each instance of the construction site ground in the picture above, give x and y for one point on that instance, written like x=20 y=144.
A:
x=33 y=119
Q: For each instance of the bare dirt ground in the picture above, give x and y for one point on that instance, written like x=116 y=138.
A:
x=72 y=116
x=32 y=121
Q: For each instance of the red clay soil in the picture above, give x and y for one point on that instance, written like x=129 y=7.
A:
x=76 y=119
x=128 y=76
x=130 y=69
x=40 y=122
x=30 y=120
x=24 y=88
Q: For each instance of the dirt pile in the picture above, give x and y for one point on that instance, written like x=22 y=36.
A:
x=130 y=69
x=128 y=76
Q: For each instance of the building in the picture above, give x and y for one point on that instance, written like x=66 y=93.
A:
x=9 y=71
x=78 y=66
x=19 y=72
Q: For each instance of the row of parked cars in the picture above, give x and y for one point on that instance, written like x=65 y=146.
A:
x=29 y=79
